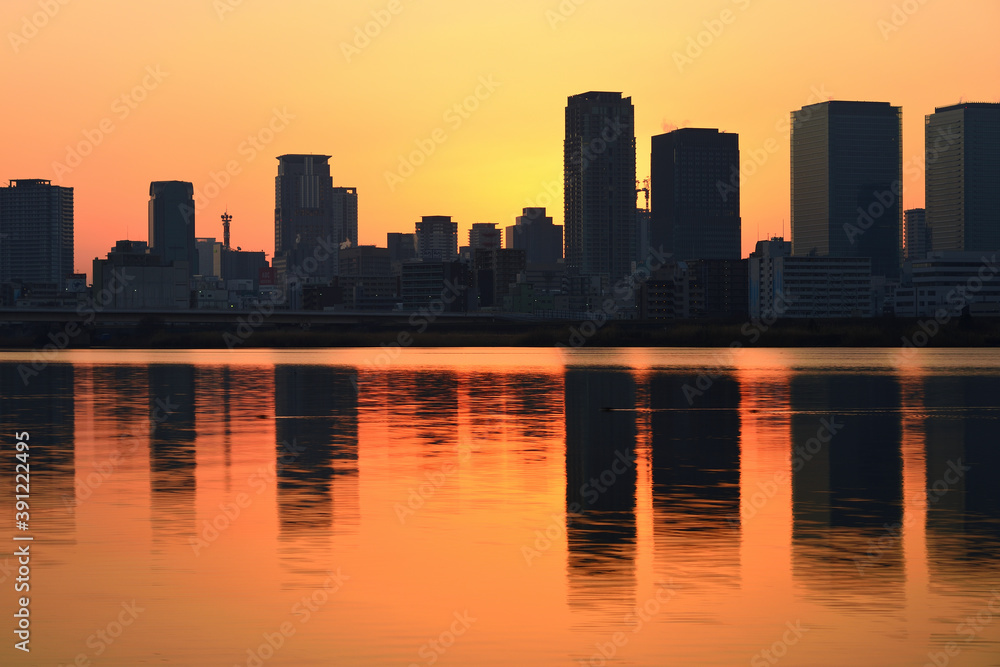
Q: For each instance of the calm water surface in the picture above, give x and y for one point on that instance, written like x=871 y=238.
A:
x=509 y=507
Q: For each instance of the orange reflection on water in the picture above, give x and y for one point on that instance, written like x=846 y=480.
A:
x=557 y=500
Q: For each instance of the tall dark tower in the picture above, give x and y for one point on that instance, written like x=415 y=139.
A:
x=963 y=172
x=36 y=232
x=599 y=174
x=226 y=219
x=847 y=174
x=693 y=216
x=309 y=211
x=171 y=222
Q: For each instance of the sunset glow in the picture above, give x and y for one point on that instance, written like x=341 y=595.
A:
x=445 y=107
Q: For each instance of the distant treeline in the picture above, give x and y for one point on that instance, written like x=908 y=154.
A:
x=881 y=332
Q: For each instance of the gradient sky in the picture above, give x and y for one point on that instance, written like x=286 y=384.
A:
x=229 y=70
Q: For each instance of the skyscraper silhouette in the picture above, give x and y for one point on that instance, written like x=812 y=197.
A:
x=599 y=174
x=171 y=223
x=695 y=202
x=36 y=232
x=847 y=182
x=963 y=169
x=309 y=211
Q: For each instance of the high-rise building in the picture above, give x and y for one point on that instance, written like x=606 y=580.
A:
x=345 y=213
x=962 y=143
x=484 y=236
x=171 y=223
x=309 y=213
x=534 y=233
x=916 y=233
x=437 y=238
x=847 y=182
x=599 y=175
x=36 y=232
x=401 y=246
x=695 y=203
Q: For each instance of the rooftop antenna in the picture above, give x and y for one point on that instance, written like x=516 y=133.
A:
x=226 y=219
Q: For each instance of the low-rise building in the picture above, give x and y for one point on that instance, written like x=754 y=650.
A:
x=806 y=286
x=952 y=282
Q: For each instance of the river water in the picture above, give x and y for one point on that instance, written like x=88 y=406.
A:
x=507 y=507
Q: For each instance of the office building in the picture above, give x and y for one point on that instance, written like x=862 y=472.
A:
x=437 y=238
x=36 y=232
x=694 y=188
x=484 y=236
x=949 y=283
x=496 y=269
x=916 y=234
x=134 y=278
x=847 y=182
x=209 y=257
x=441 y=286
x=962 y=144
x=311 y=214
x=171 y=223
x=401 y=246
x=534 y=233
x=786 y=286
x=599 y=184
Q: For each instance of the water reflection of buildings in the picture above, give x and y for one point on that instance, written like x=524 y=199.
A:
x=696 y=478
x=600 y=487
x=172 y=458
x=316 y=432
x=963 y=496
x=44 y=406
x=847 y=487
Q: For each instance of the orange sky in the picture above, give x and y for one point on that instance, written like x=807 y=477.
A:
x=200 y=77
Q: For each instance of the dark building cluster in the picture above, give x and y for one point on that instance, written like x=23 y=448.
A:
x=854 y=251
